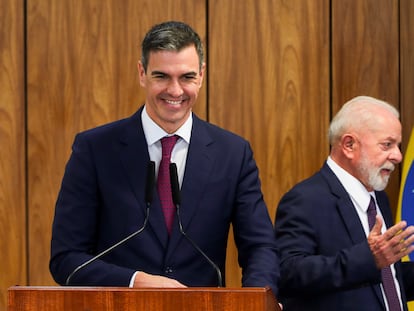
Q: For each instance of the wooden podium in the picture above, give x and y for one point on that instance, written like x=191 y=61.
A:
x=57 y=298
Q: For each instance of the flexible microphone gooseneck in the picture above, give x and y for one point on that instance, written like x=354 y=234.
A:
x=149 y=190
x=176 y=195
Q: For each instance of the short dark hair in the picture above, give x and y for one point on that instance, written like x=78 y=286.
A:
x=170 y=36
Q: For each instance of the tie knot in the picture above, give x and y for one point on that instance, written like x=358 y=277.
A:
x=167 y=144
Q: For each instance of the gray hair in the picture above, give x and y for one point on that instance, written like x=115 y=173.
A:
x=355 y=114
x=170 y=36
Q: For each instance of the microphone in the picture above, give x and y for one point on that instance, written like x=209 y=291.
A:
x=176 y=195
x=149 y=190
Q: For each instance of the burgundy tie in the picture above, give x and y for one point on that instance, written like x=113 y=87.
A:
x=387 y=277
x=163 y=181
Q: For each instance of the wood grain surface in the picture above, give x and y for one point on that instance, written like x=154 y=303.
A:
x=270 y=84
x=406 y=77
x=82 y=58
x=365 y=57
x=276 y=72
x=13 y=224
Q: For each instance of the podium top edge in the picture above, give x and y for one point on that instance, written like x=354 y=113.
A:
x=116 y=289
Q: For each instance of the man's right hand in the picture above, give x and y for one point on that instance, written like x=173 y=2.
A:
x=143 y=279
x=392 y=245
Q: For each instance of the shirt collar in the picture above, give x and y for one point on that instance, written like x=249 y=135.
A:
x=153 y=132
x=355 y=189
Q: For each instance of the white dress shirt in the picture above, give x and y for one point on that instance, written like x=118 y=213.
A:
x=154 y=133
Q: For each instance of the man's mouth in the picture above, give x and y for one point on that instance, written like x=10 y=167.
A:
x=173 y=102
x=387 y=170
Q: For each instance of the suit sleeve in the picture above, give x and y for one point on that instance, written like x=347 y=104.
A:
x=318 y=255
x=407 y=269
x=75 y=224
x=253 y=229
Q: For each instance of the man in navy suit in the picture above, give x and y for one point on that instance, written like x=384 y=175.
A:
x=102 y=196
x=330 y=259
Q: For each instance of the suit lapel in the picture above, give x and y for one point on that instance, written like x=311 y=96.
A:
x=384 y=206
x=198 y=167
x=348 y=213
x=345 y=206
x=135 y=158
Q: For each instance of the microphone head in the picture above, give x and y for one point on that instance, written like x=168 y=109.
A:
x=149 y=190
x=175 y=184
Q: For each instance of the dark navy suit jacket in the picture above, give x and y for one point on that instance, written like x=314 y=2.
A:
x=326 y=263
x=101 y=201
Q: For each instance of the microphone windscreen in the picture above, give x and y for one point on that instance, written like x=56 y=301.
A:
x=175 y=184
x=149 y=187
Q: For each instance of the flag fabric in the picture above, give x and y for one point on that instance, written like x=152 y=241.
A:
x=405 y=209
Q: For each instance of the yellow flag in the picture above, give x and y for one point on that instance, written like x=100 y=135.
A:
x=405 y=209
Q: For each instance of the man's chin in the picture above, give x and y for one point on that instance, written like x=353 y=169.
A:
x=380 y=186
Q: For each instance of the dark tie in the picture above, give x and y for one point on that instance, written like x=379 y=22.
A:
x=163 y=180
x=387 y=278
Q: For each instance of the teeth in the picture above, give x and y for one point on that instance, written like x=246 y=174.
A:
x=173 y=102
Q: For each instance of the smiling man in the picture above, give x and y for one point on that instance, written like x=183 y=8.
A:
x=105 y=192
x=339 y=247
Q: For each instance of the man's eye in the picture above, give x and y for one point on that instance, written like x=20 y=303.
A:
x=386 y=145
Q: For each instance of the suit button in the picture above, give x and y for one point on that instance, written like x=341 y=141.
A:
x=168 y=270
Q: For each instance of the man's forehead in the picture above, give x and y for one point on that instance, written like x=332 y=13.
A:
x=186 y=55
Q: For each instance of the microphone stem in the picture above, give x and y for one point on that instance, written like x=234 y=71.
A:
x=111 y=248
x=180 y=225
x=175 y=191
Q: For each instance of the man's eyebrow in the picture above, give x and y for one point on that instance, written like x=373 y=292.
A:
x=391 y=139
x=156 y=72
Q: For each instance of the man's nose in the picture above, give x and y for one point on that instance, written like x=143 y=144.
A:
x=174 y=88
x=396 y=155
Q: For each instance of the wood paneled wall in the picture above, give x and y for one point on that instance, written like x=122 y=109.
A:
x=406 y=69
x=365 y=56
x=13 y=222
x=277 y=71
x=270 y=84
x=82 y=58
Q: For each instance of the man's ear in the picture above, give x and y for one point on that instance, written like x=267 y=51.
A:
x=348 y=143
x=142 y=74
x=202 y=73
